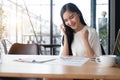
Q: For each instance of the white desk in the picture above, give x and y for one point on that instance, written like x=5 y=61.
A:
x=89 y=70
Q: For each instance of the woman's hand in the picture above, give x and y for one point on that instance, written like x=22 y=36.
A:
x=63 y=29
x=84 y=34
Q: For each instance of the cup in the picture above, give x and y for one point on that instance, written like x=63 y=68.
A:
x=106 y=60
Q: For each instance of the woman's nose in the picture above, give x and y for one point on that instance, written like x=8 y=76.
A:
x=69 y=22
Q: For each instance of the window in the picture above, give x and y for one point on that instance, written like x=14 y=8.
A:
x=102 y=22
x=30 y=20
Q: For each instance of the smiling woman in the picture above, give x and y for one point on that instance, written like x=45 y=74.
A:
x=78 y=38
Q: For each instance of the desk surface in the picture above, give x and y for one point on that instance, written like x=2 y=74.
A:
x=89 y=70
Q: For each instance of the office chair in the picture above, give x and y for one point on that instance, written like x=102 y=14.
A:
x=24 y=49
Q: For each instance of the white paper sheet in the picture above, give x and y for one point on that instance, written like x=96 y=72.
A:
x=73 y=61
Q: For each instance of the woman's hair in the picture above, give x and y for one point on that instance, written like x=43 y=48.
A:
x=69 y=31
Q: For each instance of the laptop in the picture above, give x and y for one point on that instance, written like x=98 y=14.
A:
x=116 y=49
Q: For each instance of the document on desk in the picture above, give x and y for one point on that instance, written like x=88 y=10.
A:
x=73 y=61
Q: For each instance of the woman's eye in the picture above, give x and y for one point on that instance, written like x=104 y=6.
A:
x=71 y=17
x=65 y=20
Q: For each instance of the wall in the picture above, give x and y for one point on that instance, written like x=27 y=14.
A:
x=114 y=22
x=117 y=16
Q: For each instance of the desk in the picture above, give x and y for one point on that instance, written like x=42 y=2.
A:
x=89 y=70
x=51 y=46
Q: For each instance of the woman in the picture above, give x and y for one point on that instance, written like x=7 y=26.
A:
x=78 y=38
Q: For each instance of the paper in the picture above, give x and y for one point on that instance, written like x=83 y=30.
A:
x=73 y=61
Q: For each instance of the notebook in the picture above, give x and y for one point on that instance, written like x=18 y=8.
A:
x=116 y=48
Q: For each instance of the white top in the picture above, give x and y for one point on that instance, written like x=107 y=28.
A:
x=78 y=48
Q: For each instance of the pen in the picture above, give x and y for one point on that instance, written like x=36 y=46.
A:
x=34 y=61
x=92 y=59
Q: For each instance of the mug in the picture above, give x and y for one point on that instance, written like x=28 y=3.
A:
x=106 y=60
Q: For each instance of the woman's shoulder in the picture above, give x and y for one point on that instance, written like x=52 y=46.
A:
x=91 y=29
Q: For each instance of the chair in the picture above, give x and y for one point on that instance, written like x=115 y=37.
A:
x=103 y=51
x=26 y=49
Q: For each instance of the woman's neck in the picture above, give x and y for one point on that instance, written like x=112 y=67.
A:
x=80 y=27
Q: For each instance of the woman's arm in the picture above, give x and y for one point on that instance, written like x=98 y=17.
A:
x=65 y=48
x=88 y=50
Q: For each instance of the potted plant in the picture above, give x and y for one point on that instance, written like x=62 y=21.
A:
x=2 y=27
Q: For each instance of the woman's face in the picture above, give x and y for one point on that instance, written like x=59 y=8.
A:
x=72 y=20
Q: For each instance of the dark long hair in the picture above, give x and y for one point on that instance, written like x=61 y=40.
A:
x=69 y=31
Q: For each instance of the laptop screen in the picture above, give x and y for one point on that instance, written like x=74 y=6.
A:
x=116 y=50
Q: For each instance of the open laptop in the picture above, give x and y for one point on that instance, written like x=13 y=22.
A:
x=116 y=49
